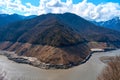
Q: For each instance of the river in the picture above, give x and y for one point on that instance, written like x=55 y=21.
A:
x=87 y=71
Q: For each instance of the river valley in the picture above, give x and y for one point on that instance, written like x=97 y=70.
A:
x=87 y=71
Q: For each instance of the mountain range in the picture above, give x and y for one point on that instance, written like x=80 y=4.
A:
x=111 y=24
x=5 y=19
x=57 y=38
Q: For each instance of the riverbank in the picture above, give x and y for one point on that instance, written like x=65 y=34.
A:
x=36 y=63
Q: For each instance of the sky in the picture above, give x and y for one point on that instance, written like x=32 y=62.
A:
x=98 y=10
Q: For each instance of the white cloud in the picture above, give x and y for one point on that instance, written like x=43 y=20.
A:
x=54 y=3
x=87 y=10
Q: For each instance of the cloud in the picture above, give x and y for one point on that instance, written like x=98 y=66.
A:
x=87 y=10
x=54 y=3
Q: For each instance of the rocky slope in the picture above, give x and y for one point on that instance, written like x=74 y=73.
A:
x=49 y=54
x=56 y=39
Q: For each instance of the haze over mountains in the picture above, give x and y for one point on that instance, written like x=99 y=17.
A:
x=57 y=38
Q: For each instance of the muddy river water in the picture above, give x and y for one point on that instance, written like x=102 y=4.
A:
x=87 y=71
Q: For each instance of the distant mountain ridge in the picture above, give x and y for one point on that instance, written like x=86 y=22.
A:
x=6 y=18
x=111 y=24
x=57 y=39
